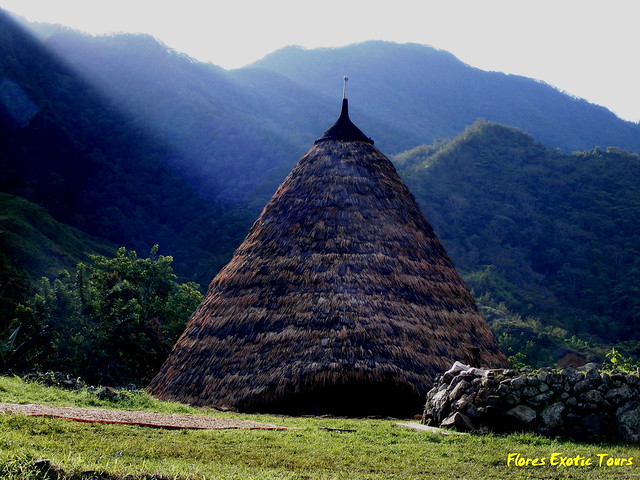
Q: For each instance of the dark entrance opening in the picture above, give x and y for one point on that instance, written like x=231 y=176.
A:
x=353 y=399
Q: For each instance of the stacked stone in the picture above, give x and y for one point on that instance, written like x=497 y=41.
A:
x=583 y=404
x=55 y=379
x=67 y=382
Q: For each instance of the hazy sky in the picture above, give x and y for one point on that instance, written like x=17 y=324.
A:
x=588 y=48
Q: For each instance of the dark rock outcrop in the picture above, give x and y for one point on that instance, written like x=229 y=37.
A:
x=584 y=404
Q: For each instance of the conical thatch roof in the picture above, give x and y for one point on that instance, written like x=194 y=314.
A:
x=340 y=299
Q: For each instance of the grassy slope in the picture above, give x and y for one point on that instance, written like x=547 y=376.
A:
x=36 y=242
x=378 y=449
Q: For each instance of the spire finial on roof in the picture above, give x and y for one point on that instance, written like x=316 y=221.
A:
x=344 y=129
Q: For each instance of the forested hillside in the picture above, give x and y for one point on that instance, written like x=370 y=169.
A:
x=64 y=146
x=237 y=134
x=34 y=244
x=551 y=236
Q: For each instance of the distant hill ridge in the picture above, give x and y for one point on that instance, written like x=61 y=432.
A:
x=431 y=94
x=228 y=125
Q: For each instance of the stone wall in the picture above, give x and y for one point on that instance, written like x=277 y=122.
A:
x=584 y=403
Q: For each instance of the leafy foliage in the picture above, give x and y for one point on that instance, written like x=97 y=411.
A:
x=614 y=360
x=551 y=237
x=112 y=321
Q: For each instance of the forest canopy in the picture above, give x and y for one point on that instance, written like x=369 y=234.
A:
x=111 y=321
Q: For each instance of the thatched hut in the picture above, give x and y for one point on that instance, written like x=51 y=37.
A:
x=340 y=299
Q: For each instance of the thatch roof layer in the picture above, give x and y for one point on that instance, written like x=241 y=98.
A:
x=340 y=287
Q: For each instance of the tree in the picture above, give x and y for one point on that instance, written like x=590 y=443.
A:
x=111 y=321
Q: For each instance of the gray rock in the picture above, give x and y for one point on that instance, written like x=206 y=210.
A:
x=460 y=404
x=493 y=411
x=108 y=393
x=472 y=411
x=588 y=407
x=555 y=378
x=618 y=377
x=624 y=410
x=484 y=393
x=589 y=366
x=594 y=424
x=487 y=396
x=439 y=404
x=628 y=421
x=459 y=390
x=540 y=399
x=532 y=381
x=503 y=390
x=592 y=375
x=514 y=398
x=460 y=378
x=583 y=386
x=518 y=382
x=489 y=381
x=523 y=413
x=459 y=421
x=628 y=434
x=42 y=464
x=573 y=419
x=592 y=396
x=584 y=404
x=618 y=395
x=552 y=415
x=446 y=378
x=468 y=375
x=572 y=375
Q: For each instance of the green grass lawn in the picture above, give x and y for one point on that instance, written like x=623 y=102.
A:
x=377 y=449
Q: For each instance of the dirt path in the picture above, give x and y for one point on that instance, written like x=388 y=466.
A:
x=146 y=419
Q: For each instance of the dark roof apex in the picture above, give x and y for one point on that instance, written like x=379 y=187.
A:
x=344 y=129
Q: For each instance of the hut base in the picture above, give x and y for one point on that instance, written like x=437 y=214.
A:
x=354 y=399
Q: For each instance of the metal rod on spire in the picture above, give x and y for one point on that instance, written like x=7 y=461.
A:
x=344 y=87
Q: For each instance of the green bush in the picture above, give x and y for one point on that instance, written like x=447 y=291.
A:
x=112 y=321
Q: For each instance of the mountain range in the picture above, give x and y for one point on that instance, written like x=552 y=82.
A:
x=132 y=143
x=228 y=125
